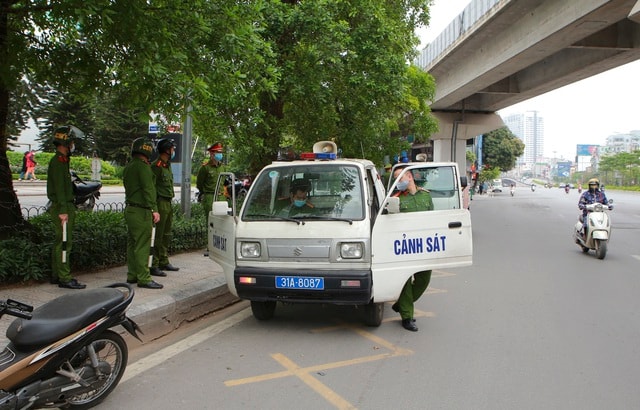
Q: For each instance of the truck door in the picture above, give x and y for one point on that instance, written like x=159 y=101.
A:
x=222 y=229
x=404 y=243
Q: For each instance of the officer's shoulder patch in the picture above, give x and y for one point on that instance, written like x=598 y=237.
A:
x=63 y=158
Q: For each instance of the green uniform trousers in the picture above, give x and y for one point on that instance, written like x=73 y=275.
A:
x=163 y=234
x=207 y=203
x=411 y=292
x=139 y=227
x=60 y=270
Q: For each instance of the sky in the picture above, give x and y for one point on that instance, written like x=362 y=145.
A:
x=585 y=112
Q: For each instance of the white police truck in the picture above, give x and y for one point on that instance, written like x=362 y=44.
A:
x=347 y=243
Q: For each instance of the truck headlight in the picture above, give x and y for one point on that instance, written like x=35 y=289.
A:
x=351 y=250
x=250 y=249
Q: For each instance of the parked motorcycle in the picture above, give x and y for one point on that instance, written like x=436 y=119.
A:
x=65 y=354
x=85 y=193
x=598 y=229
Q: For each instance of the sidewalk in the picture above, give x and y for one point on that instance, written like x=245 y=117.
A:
x=198 y=288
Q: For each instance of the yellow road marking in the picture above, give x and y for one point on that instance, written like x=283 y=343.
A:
x=305 y=373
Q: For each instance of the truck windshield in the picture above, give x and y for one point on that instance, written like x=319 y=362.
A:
x=306 y=191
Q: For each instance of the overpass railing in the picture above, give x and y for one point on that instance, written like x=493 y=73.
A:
x=471 y=14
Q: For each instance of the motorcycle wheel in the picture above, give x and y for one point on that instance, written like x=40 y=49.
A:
x=601 y=249
x=110 y=349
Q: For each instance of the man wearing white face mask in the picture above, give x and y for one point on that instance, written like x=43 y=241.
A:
x=207 y=178
x=412 y=199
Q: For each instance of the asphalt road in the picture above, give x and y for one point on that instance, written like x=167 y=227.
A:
x=533 y=324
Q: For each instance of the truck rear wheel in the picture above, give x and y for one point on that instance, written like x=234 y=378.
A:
x=373 y=313
x=263 y=310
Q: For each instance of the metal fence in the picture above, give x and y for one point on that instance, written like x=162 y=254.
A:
x=183 y=238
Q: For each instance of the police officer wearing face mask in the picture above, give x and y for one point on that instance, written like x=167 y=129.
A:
x=412 y=199
x=62 y=210
x=207 y=177
x=163 y=178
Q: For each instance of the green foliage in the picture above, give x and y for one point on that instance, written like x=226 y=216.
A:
x=622 y=168
x=489 y=174
x=100 y=241
x=343 y=77
x=82 y=165
x=501 y=149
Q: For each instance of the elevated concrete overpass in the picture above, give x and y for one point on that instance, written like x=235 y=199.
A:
x=497 y=53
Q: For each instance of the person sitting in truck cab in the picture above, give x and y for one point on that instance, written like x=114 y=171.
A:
x=298 y=201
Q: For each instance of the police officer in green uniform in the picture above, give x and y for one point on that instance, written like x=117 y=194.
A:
x=62 y=210
x=140 y=213
x=207 y=178
x=412 y=199
x=163 y=178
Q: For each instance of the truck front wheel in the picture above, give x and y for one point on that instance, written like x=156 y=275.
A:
x=373 y=313
x=263 y=310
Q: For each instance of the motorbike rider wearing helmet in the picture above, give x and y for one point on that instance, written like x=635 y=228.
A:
x=140 y=213
x=163 y=178
x=63 y=210
x=591 y=196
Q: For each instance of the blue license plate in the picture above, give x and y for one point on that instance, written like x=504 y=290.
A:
x=299 y=282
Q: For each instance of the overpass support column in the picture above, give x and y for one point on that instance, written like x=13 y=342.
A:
x=442 y=152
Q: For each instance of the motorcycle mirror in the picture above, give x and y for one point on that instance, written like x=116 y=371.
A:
x=610 y=201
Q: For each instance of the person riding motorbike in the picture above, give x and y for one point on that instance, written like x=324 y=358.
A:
x=591 y=196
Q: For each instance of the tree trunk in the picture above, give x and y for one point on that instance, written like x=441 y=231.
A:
x=10 y=215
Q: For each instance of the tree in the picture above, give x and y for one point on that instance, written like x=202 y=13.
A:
x=501 y=149
x=343 y=76
x=160 y=55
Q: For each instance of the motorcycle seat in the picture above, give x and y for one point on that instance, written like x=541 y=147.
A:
x=61 y=317
x=85 y=188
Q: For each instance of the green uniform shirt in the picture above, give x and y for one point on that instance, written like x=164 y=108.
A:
x=208 y=176
x=139 y=189
x=163 y=178
x=421 y=201
x=59 y=185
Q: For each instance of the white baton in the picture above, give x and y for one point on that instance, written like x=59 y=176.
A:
x=64 y=242
x=153 y=241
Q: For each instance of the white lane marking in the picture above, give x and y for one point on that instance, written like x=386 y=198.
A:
x=636 y=256
x=160 y=356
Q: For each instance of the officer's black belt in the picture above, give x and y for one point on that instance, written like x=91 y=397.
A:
x=139 y=206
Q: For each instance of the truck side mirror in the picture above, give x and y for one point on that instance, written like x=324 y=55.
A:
x=463 y=182
x=392 y=206
x=220 y=208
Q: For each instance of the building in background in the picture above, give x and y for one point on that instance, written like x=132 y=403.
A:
x=621 y=143
x=529 y=127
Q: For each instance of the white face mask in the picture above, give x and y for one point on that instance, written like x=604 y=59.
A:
x=402 y=185
x=72 y=147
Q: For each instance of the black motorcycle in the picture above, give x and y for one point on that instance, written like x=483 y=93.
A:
x=65 y=354
x=85 y=193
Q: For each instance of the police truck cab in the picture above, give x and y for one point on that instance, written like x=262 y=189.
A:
x=325 y=230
